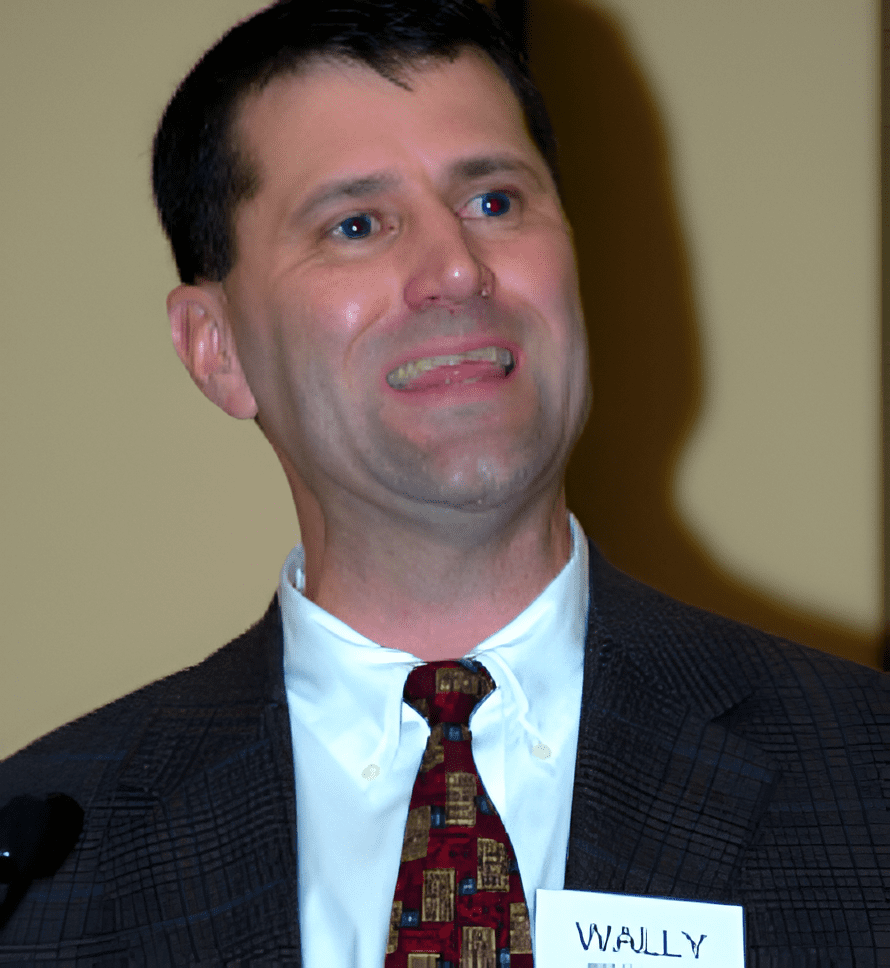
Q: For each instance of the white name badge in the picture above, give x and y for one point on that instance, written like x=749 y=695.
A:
x=585 y=929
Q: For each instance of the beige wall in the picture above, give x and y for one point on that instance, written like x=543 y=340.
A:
x=772 y=116
x=141 y=528
x=721 y=169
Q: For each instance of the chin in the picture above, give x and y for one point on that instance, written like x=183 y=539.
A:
x=484 y=486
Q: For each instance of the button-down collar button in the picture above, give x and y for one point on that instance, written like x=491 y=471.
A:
x=542 y=751
x=371 y=771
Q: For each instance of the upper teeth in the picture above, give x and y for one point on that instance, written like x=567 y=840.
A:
x=399 y=378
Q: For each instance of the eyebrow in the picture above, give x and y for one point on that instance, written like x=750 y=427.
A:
x=470 y=168
x=347 y=188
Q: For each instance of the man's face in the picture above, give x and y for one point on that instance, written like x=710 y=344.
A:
x=404 y=301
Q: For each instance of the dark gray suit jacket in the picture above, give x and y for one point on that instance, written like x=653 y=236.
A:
x=713 y=762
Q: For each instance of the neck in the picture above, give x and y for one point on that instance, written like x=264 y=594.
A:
x=436 y=593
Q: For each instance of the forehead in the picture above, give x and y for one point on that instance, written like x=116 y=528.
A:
x=340 y=119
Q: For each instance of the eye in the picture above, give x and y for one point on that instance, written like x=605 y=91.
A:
x=357 y=227
x=489 y=205
x=496 y=203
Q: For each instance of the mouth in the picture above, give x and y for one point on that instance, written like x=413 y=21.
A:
x=490 y=362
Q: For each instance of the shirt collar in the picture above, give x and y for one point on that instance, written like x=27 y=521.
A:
x=542 y=649
x=347 y=689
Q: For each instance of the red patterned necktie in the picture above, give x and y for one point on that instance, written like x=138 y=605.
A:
x=459 y=901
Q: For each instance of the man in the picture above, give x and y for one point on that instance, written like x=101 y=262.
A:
x=362 y=204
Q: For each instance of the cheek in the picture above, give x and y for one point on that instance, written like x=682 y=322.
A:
x=341 y=305
x=542 y=273
x=353 y=314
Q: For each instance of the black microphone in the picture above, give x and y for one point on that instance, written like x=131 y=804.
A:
x=35 y=838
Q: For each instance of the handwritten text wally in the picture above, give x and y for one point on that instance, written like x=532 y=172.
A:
x=663 y=943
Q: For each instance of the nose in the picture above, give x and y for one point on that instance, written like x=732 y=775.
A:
x=446 y=268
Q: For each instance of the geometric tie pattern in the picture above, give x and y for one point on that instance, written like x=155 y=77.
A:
x=459 y=901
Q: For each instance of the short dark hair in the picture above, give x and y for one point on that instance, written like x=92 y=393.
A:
x=199 y=175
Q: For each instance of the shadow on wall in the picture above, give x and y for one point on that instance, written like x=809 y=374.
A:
x=642 y=323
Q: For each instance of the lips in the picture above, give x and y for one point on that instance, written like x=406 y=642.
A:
x=488 y=362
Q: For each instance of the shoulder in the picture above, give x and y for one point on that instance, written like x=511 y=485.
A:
x=715 y=663
x=84 y=755
x=720 y=762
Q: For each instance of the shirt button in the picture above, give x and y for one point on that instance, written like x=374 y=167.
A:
x=371 y=771
x=542 y=751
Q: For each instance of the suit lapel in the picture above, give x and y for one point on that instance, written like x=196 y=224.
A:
x=666 y=799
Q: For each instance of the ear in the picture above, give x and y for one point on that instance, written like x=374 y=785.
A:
x=203 y=340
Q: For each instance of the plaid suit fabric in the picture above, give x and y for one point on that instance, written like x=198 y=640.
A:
x=458 y=901
x=713 y=762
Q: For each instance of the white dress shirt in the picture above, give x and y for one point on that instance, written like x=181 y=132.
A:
x=358 y=745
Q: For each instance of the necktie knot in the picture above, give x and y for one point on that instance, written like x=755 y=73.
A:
x=448 y=691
